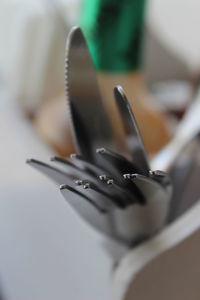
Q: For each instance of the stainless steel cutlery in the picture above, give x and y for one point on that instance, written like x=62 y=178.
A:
x=119 y=196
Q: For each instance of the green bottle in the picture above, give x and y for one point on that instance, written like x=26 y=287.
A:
x=114 y=31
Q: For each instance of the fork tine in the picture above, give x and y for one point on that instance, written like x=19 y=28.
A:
x=119 y=162
x=135 y=144
x=55 y=174
x=120 y=165
x=73 y=168
x=91 y=213
x=64 y=188
x=95 y=183
x=66 y=162
x=148 y=187
x=91 y=167
x=108 y=199
x=116 y=190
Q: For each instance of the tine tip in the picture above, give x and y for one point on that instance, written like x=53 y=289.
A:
x=130 y=176
x=86 y=186
x=28 y=161
x=157 y=173
x=110 y=181
x=79 y=182
x=53 y=158
x=63 y=187
x=100 y=150
x=31 y=160
x=126 y=176
x=118 y=88
x=102 y=177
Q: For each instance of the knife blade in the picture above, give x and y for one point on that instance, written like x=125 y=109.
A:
x=89 y=122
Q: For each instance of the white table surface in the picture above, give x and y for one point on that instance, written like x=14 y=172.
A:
x=46 y=251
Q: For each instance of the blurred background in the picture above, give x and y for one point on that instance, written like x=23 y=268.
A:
x=153 y=51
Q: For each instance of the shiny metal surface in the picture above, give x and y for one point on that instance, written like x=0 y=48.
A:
x=134 y=139
x=56 y=175
x=123 y=199
x=90 y=124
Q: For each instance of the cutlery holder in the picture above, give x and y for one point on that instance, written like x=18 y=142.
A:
x=165 y=267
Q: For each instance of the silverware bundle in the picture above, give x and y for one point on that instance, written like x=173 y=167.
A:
x=122 y=198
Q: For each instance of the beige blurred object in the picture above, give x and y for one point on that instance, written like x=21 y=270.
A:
x=52 y=124
x=151 y=120
x=52 y=120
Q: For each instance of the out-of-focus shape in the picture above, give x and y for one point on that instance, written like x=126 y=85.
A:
x=175 y=23
x=32 y=42
x=173 y=95
x=53 y=125
x=188 y=128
